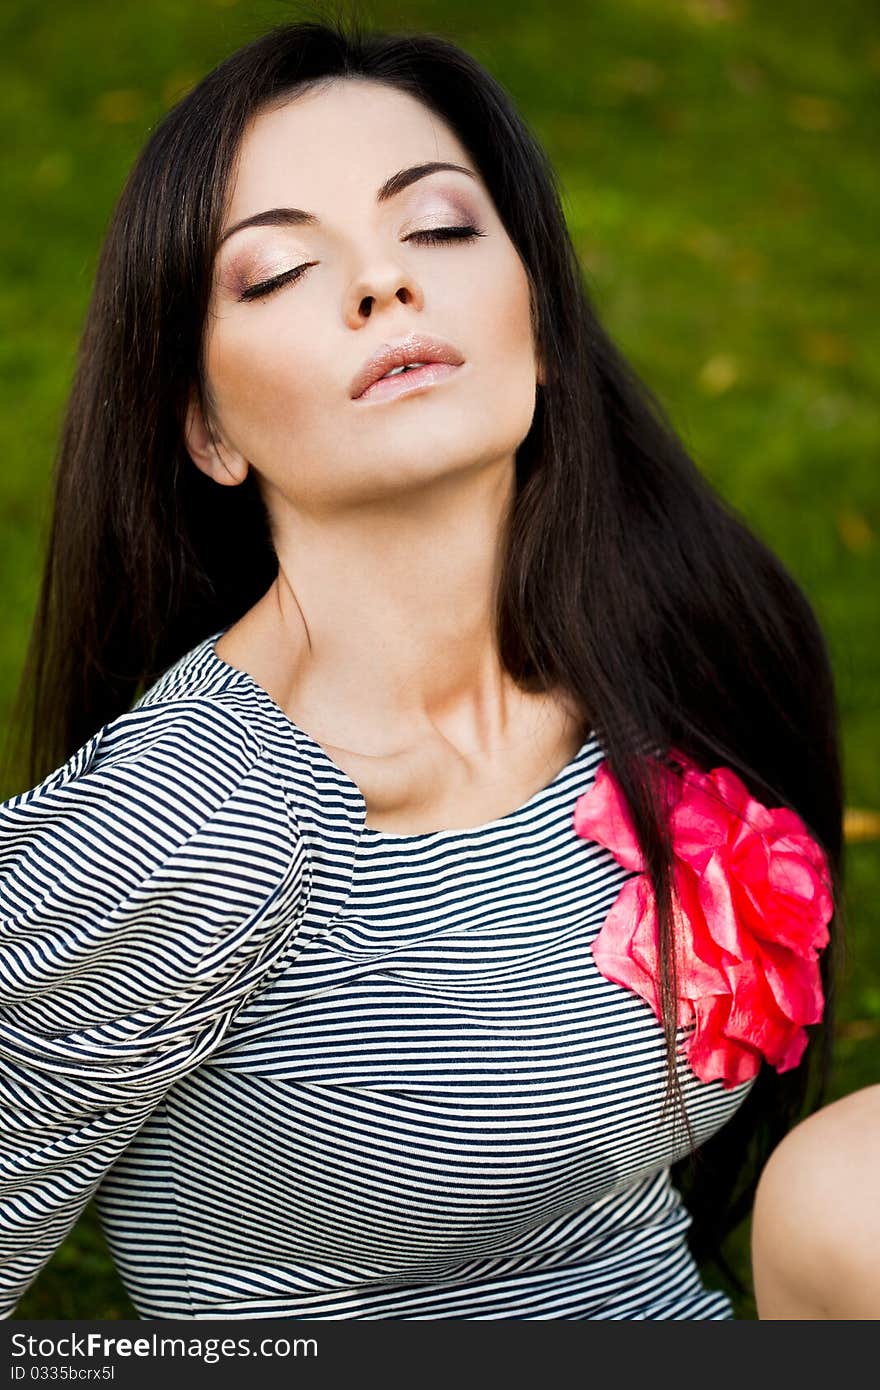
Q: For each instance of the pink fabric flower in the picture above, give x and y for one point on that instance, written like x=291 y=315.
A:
x=752 y=902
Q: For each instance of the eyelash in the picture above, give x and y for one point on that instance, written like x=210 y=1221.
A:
x=429 y=235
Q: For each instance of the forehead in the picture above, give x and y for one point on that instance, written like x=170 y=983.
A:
x=336 y=142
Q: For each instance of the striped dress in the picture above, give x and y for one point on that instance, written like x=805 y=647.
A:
x=312 y=1069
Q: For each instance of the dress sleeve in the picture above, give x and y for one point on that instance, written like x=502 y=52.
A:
x=147 y=889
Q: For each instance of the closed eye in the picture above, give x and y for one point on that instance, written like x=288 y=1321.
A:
x=267 y=286
x=429 y=235
x=445 y=234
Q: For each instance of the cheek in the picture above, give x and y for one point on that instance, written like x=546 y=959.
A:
x=511 y=359
x=507 y=315
x=263 y=376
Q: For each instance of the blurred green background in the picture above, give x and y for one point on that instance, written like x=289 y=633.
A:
x=719 y=166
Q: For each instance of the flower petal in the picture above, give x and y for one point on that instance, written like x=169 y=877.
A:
x=772 y=914
x=795 y=982
x=755 y=1017
x=794 y=1052
x=719 y=907
x=711 y=1054
x=632 y=914
x=697 y=827
x=601 y=814
x=697 y=953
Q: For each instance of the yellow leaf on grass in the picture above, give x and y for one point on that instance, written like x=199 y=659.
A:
x=718 y=374
x=117 y=107
x=176 y=86
x=860 y=824
x=858 y=1029
x=854 y=531
x=820 y=345
x=815 y=113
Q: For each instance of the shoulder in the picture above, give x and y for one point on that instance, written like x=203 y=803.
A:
x=195 y=748
x=816 y=1218
x=837 y=1142
x=167 y=799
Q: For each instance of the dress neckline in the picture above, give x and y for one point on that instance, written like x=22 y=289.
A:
x=374 y=834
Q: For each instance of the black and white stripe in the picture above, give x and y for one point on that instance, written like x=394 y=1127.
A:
x=311 y=1069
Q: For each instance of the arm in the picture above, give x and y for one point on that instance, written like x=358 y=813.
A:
x=147 y=889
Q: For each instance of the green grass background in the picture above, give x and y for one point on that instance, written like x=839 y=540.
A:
x=719 y=163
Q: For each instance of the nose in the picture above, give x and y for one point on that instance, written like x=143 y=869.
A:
x=377 y=288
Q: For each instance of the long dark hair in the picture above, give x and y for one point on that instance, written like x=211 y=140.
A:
x=627 y=581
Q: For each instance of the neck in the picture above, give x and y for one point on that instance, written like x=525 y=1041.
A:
x=384 y=618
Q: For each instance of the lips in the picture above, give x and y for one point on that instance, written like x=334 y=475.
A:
x=397 y=352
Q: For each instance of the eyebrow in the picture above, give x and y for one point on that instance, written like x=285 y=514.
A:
x=296 y=217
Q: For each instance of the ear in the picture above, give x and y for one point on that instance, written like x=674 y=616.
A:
x=208 y=452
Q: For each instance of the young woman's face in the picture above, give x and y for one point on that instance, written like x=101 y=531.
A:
x=280 y=364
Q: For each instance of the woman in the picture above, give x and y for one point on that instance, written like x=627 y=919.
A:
x=309 y=973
